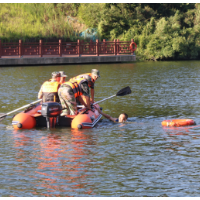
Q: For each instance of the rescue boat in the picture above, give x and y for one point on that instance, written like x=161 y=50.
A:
x=178 y=122
x=48 y=115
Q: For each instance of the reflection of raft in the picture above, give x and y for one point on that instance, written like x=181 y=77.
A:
x=178 y=122
x=48 y=115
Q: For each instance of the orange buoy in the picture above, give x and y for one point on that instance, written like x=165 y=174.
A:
x=131 y=46
x=23 y=121
x=178 y=122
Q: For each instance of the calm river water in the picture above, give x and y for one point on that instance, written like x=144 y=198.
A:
x=136 y=159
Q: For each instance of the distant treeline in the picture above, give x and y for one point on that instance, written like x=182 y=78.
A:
x=162 y=31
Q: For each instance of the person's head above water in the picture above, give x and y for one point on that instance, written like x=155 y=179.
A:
x=123 y=117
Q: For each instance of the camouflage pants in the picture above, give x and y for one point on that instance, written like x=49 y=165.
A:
x=67 y=100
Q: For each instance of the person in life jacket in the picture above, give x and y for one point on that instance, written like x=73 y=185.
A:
x=69 y=91
x=49 y=89
x=91 y=78
x=62 y=76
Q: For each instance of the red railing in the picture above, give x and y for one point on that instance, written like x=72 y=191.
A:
x=61 y=48
x=30 y=49
x=11 y=49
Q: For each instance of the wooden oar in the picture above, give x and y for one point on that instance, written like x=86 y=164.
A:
x=122 y=92
x=3 y=115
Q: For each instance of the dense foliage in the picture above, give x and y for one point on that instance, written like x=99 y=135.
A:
x=162 y=31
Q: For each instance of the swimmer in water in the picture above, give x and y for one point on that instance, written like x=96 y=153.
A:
x=122 y=117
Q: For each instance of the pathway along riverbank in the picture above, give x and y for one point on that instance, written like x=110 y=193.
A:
x=34 y=60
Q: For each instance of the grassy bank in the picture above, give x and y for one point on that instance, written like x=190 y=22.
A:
x=31 y=22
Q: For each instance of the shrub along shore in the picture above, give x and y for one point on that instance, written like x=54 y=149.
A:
x=161 y=31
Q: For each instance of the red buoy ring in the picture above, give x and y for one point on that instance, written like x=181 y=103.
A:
x=178 y=122
x=131 y=46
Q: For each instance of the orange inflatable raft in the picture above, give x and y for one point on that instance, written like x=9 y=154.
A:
x=48 y=115
x=178 y=122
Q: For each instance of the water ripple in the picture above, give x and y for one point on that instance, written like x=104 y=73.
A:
x=139 y=158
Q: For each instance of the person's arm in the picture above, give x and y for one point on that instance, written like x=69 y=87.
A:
x=92 y=95
x=106 y=116
x=40 y=93
x=91 y=86
x=85 y=100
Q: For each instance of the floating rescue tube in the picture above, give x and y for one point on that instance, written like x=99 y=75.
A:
x=23 y=121
x=131 y=46
x=178 y=122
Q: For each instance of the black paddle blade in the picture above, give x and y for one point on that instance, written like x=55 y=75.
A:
x=124 y=91
x=2 y=116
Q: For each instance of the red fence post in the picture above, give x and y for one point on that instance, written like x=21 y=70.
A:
x=115 y=49
x=104 y=46
x=60 y=48
x=78 y=48
x=40 y=48
x=0 y=48
x=97 y=47
x=117 y=46
x=20 y=48
x=90 y=46
x=82 y=45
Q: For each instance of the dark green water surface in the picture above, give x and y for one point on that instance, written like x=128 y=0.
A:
x=136 y=159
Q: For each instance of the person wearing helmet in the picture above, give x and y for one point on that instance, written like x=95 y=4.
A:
x=72 y=90
x=62 y=77
x=49 y=89
x=91 y=78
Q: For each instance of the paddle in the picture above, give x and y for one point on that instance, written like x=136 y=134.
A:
x=3 y=115
x=122 y=92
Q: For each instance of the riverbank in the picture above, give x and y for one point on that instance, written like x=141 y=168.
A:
x=67 y=59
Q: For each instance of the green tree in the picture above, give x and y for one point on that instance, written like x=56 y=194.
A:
x=90 y=13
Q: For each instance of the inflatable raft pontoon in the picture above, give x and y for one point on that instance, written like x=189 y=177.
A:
x=48 y=115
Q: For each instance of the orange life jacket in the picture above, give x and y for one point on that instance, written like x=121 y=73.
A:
x=50 y=91
x=75 y=84
x=84 y=76
x=54 y=80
